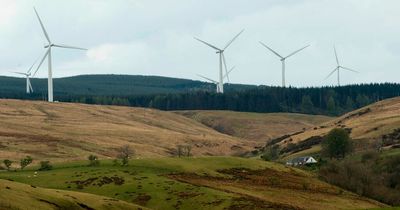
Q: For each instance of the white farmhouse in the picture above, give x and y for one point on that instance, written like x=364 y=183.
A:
x=299 y=161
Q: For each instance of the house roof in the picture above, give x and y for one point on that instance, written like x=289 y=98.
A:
x=299 y=159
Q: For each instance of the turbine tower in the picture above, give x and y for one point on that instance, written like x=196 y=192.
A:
x=29 y=88
x=338 y=67
x=283 y=59
x=215 y=82
x=222 y=61
x=47 y=54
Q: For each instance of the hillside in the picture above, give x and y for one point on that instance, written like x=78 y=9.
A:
x=15 y=195
x=173 y=94
x=255 y=126
x=369 y=127
x=67 y=131
x=198 y=183
x=109 y=85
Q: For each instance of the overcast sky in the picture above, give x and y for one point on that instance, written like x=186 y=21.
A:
x=155 y=37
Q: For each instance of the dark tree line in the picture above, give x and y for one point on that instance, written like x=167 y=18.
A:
x=313 y=100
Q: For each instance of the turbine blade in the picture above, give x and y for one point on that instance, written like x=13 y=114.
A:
x=206 y=78
x=41 y=24
x=226 y=68
x=21 y=73
x=229 y=72
x=349 y=69
x=231 y=69
x=30 y=69
x=30 y=85
x=69 y=47
x=297 y=51
x=271 y=50
x=234 y=38
x=337 y=60
x=332 y=72
x=210 y=45
x=40 y=64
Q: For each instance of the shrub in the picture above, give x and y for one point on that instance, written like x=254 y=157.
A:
x=7 y=163
x=369 y=155
x=374 y=179
x=45 y=166
x=337 y=144
x=271 y=153
x=25 y=162
x=93 y=160
x=116 y=162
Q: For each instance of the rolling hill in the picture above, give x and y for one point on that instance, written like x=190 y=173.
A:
x=258 y=127
x=69 y=131
x=371 y=126
x=173 y=94
x=196 y=183
x=15 y=195
x=110 y=85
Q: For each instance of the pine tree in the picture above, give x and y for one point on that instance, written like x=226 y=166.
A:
x=331 y=106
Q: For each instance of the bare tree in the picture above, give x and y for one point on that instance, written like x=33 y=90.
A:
x=184 y=150
x=188 y=150
x=125 y=153
x=179 y=150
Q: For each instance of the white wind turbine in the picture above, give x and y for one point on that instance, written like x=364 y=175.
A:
x=48 y=55
x=222 y=61
x=29 y=88
x=215 y=82
x=283 y=59
x=338 y=67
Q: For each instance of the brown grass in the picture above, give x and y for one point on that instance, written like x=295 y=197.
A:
x=367 y=124
x=268 y=188
x=66 y=131
x=259 y=127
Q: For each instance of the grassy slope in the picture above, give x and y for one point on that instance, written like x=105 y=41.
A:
x=382 y=118
x=62 y=131
x=22 y=196
x=199 y=183
x=255 y=126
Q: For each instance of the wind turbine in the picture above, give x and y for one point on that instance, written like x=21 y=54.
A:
x=283 y=59
x=222 y=60
x=338 y=67
x=215 y=82
x=48 y=55
x=29 y=88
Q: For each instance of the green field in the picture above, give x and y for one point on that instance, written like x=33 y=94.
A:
x=15 y=196
x=196 y=183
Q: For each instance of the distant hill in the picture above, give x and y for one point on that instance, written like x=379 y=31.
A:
x=67 y=131
x=109 y=85
x=260 y=127
x=181 y=94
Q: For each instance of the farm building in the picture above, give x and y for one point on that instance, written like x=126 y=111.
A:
x=301 y=161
